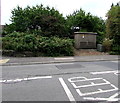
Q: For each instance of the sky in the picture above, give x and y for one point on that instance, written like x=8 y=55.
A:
x=95 y=7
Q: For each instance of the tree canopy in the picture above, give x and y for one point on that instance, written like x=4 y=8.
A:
x=113 y=26
x=41 y=20
x=87 y=22
x=44 y=29
x=46 y=21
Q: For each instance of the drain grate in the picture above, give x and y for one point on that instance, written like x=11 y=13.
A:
x=69 y=66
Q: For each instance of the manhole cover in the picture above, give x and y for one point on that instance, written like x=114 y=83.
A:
x=69 y=66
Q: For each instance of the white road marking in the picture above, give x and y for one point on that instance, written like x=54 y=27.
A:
x=103 y=99
x=105 y=72
x=64 y=58
x=115 y=95
x=1 y=81
x=92 y=83
x=43 y=77
x=76 y=79
x=67 y=91
x=24 y=79
x=4 y=61
x=64 y=64
x=112 y=98
x=117 y=73
x=114 y=88
x=96 y=92
x=114 y=61
x=83 y=79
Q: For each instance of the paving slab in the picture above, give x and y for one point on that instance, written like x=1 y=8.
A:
x=47 y=60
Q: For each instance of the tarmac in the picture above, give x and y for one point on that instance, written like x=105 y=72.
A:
x=47 y=60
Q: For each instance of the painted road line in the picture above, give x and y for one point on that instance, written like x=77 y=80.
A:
x=76 y=79
x=92 y=83
x=104 y=72
x=2 y=61
x=114 y=88
x=115 y=95
x=1 y=81
x=96 y=92
x=117 y=73
x=114 y=61
x=67 y=91
x=101 y=99
x=64 y=58
x=112 y=98
x=65 y=64
x=25 y=79
x=43 y=77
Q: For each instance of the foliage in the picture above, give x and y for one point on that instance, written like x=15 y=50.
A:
x=87 y=23
x=107 y=43
x=19 y=42
x=39 y=29
x=40 y=20
x=52 y=46
x=49 y=22
x=55 y=46
x=113 y=27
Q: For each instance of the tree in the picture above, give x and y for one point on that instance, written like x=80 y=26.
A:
x=40 y=20
x=113 y=27
x=87 y=23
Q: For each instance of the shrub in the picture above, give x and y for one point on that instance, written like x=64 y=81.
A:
x=116 y=49
x=19 y=42
x=107 y=43
x=53 y=46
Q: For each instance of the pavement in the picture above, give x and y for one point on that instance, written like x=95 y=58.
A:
x=7 y=61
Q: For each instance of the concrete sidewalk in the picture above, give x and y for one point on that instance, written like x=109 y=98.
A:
x=47 y=60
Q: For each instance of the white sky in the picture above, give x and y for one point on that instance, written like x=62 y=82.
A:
x=95 y=7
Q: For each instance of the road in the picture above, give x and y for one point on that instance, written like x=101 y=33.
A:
x=76 y=81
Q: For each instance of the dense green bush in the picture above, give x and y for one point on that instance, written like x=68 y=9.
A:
x=52 y=46
x=55 y=46
x=19 y=42
x=107 y=43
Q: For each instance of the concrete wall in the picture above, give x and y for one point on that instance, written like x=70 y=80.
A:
x=85 y=40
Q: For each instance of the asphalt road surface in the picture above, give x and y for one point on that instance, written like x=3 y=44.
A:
x=77 y=81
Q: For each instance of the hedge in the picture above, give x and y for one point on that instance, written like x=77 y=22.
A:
x=53 y=46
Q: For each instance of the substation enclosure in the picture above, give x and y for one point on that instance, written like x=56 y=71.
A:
x=85 y=40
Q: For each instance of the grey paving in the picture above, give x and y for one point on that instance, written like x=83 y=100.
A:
x=48 y=60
